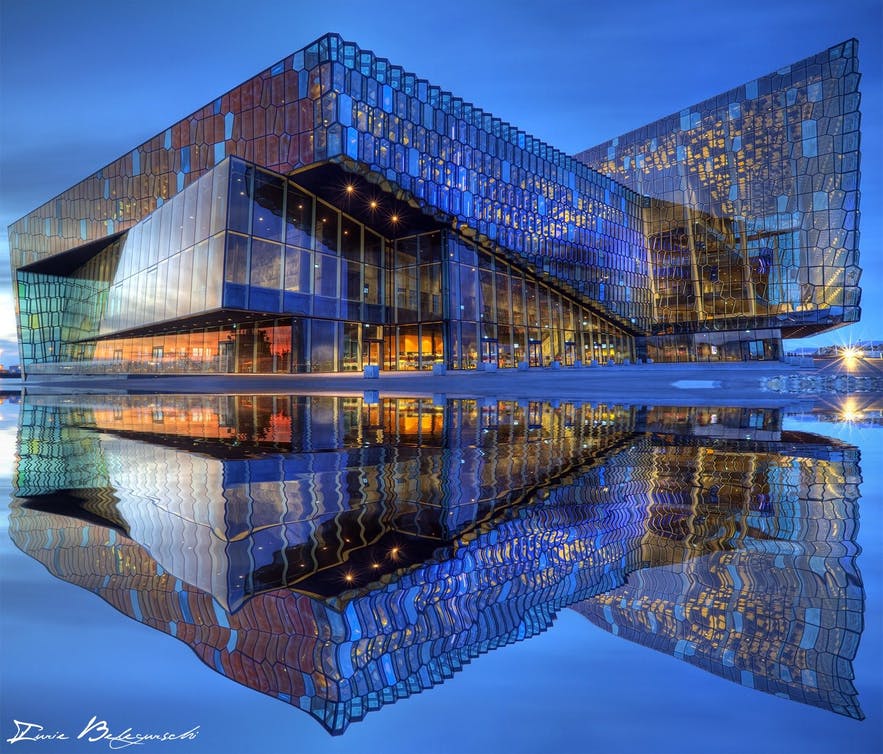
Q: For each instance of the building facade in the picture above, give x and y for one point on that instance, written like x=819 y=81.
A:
x=336 y=211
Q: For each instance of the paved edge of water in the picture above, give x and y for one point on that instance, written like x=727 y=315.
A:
x=736 y=384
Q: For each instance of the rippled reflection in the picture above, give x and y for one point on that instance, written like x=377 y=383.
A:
x=342 y=553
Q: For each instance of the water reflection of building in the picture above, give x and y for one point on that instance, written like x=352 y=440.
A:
x=768 y=596
x=341 y=554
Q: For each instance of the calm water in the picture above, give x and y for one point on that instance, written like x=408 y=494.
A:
x=316 y=574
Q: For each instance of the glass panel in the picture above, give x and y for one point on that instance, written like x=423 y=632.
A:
x=198 y=282
x=430 y=247
x=204 y=208
x=430 y=292
x=171 y=287
x=486 y=280
x=177 y=226
x=431 y=345
x=326 y=276
x=184 y=282
x=188 y=230
x=371 y=287
x=351 y=281
x=406 y=294
x=409 y=348
x=244 y=339
x=517 y=282
x=468 y=292
x=220 y=178
x=373 y=247
x=273 y=349
x=266 y=264
x=322 y=345
x=214 y=270
x=298 y=269
x=327 y=221
x=298 y=217
x=351 y=347
x=468 y=345
x=240 y=196
x=502 y=289
x=267 y=210
x=406 y=251
x=164 y=216
x=350 y=240
x=236 y=265
x=533 y=311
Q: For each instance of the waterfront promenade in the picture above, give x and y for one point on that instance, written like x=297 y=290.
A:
x=732 y=384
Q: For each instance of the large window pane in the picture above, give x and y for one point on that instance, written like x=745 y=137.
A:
x=430 y=292
x=184 y=282
x=468 y=292
x=188 y=229
x=406 y=294
x=199 y=279
x=326 y=275
x=406 y=251
x=430 y=247
x=204 y=208
x=266 y=215
x=240 y=196
x=236 y=265
x=177 y=226
x=298 y=217
x=266 y=264
x=214 y=269
x=322 y=345
x=373 y=248
x=327 y=221
x=350 y=240
x=298 y=270
x=351 y=281
x=220 y=177
x=504 y=313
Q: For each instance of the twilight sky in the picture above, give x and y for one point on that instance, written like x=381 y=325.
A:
x=83 y=82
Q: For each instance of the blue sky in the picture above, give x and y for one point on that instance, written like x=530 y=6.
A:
x=84 y=82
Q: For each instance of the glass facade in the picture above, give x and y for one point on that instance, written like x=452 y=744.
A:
x=751 y=217
x=246 y=271
x=337 y=211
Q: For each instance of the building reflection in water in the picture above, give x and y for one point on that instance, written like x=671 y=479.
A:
x=342 y=553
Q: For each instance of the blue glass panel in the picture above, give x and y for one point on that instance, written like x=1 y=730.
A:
x=264 y=299
x=235 y=295
x=344 y=109
x=352 y=143
x=296 y=303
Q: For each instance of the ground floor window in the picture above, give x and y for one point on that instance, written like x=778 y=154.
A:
x=288 y=345
x=734 y=345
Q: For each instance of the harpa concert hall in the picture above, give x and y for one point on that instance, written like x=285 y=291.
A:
x=336 y=211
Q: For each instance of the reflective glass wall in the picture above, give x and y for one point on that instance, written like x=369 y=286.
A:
x=333 y=102
x=247 y=271
x=752 y=218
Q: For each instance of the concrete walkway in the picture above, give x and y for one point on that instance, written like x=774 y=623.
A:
x=732 y=384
